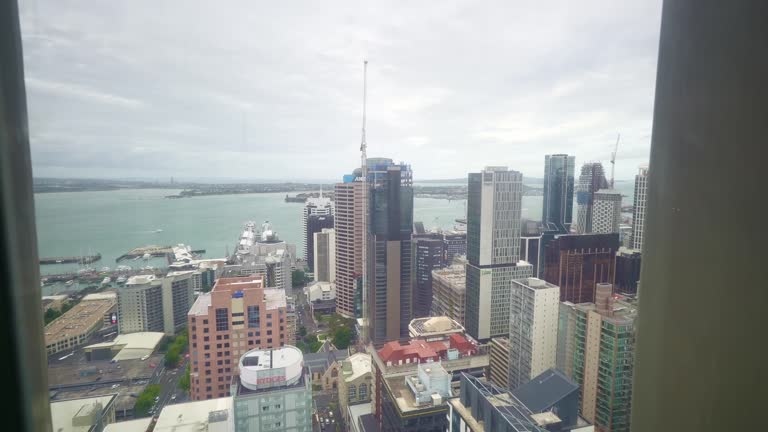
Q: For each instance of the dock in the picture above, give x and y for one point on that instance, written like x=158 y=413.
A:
x=85 y=259
x=154 y=251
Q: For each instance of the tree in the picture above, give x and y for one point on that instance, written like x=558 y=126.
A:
x=302 y=331
x=172 y=356
x=184 y=381
x=342 y=337
x=298 y=278
x=145 y=400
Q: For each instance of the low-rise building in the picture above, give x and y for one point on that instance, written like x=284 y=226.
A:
x=355 y=384
x=273 y=392
x=213 y=415
x=325 y=367
x=89 y=414
x=450 y=292
x=132 y=346
x=76 y=325
x=320 y=291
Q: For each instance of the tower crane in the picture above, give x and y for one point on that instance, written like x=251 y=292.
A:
x=364 y=163
x=613 y=158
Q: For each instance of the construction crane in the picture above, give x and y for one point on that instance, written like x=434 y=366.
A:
x=613 y=158
x=364 y=163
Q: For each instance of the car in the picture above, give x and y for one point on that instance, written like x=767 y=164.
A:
x=144 y=357
x=173 y=396
x=157 y=398
x=114 y=386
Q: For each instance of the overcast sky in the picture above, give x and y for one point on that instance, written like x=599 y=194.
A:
x=274 y=89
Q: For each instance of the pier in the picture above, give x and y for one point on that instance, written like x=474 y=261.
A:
x=154 y=251
x=85 y=259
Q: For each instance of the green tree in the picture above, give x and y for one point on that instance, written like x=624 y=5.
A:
x=302 y=331
x=50 y=315
x=298 y=278
x=145 y=400
x=184 y=381
x=342 y=337
x=172 y=356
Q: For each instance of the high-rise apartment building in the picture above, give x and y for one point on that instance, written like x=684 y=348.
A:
x=428 y=255
x=638 y=209
x=498 y=370
x=273 y=391
x=566 y=337
x=324 y=255
x=532 y=329
x=315 y=224
x=449 y=292
x=604 y=359
x=322 y=207
x=591 y=180
x=150 y=304
x=264 y=253
x=389 y=283
x=558 y=190
x=576 y=263
x=349 y=228
x=627 y=271
x=606 y=211
x=237 y=315
x=493 y=249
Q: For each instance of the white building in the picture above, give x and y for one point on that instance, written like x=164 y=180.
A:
x=532 y=329
x=493 y=249
x=606 y=212
x=638 y=212
x=262 y=252
x=274 y=391
x=320 y=291
x=212 y=415
x=150 y=304
x=325 y=255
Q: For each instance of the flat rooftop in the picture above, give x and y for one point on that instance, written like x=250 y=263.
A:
x=140 y=425
x=361 y=365
x=63 y=412
x=132 y=346
x=455 y=275
x=140 y=280
x=201 y=305
x=434 y=325
x=406 y=400
x=214 y=415
x=78 y=320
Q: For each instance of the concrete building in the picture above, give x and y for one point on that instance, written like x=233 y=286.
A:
x=604 y=359
x=320 y=291
x=558 y=190
x=591 y=180
x=238 y=314
x=178 y=290
x=576 y=263
x=428 y=255
x=150 y=304
x=566 y=337
x=316 y=215
x=434 y=328
x=349 y=228
x=532 y=329
x=88 y=414
x=551 y=392
x=273 y=392
x=356 y=383
x=454 y=244
x=325 y=367
x=389 y=284
x=416 y=402
x=498 y=372
x=639 y=208
x=606 y=211
x=75 y=326
x=214 y=415
x=262 y=252
x=627 y=276
x=493 y=249
x=324 y=255
x=449 y=292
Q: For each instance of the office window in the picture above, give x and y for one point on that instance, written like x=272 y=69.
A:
x=222 y=319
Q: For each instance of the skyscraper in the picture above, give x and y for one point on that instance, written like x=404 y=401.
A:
x=325 y=255
x=576 y=263
x=627 y=271
x=349 y=229
x=604 y=360
x=591 y=180
x=606 y=211
x=315 y=223
x=532 y=329
x=493 y=249
x=638 y=210
x=320 y=206
x=428 y=255
x=449 y=292
x=455 y=243
x=558 y=190
x=390 y=227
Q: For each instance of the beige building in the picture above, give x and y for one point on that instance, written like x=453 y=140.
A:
x=78 y=324
x=348 y=224
x=89 y=414
x=499 y=362
x=449 y=292
x=355 y=383
x=325 y=255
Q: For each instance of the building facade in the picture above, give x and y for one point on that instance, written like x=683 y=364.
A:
x=606 y=211
x=576 y=263
x=389 y=284
x=239 y=314
x=349 y=229
x=324 y=255
x=532 y=329
x=604 y=359
x=449 y=292
x=558 y=190
x=455 y=244
x=76 y=325
x=628 y=263
x=356 y=383
x=591 y=180
x=178 y=296
x=639 y=208
x=321 y=208
x=493 y=249
x=428 y=255
x=498 y=372
x=273 y=391
x=566 y=337
x=140 y=305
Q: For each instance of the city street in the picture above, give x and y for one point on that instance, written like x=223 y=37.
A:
x=168 y=379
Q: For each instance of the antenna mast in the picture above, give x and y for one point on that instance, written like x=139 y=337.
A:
x=613 y=158
x=364 y=163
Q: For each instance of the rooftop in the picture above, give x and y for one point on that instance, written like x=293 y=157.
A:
x=359 y=365
x=402 y=390
x=78 y=320
x=201 y=305
x=140 y=425
x=355 y=412
x=140 y=280
x=535 y=283
x=106 y=295
x=132 y=345
x=275 y=298
x=545 y=390
x=319 y=362
x=78 y=415
x=431 y=326
x=239 y=283
x=455 y=274
x=214 y=415
x=260 y=367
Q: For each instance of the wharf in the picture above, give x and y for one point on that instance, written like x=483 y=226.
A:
x=85 y=259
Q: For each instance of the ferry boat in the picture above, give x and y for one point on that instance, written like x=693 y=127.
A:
x=69 y=282
x=106 y=281
x=121 y=280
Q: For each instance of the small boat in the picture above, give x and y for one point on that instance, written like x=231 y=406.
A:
x=123 y=268
x=69 y=282
x=147 y=256
x=137 y=258
x=106 y=281
x=121 y=280
x=158 y=230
